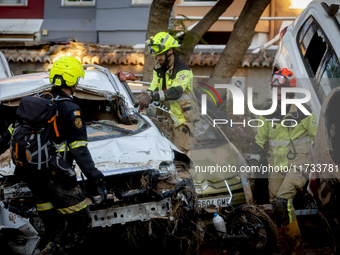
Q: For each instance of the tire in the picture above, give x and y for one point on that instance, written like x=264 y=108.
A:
x=257 y=225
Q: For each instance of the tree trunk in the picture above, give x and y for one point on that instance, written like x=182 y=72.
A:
x=191 y=39
x=240 y=39
x=158 y=22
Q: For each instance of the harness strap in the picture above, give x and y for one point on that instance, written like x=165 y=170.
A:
x=54 y=119
x=39 y=151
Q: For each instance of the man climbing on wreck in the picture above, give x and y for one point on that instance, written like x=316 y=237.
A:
x=289 y=148
x=172 y=86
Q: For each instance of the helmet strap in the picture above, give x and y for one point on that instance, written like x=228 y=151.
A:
x=167 y=58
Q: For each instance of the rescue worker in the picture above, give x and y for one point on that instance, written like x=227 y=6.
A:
x=59 y=198
x=289 y=147
x=172 y=86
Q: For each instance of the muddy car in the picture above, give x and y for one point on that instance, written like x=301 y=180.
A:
x=310 y=48
x=146 y=176
x=324 y=180
x=4 y=67
x=221 y=185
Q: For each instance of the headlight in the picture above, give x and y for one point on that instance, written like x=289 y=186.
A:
x=168 y=170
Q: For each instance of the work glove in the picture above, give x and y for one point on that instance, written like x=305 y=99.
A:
x=102 y=192
x=143 y=100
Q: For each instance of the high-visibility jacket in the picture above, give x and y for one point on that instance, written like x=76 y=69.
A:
x=288 y=146
x=185 y=108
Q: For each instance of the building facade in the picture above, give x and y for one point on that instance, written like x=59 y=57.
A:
x=34 y=33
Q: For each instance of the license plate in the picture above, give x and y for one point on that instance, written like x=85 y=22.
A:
x=223 y=201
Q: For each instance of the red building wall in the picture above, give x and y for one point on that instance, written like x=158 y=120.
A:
x=33 y=10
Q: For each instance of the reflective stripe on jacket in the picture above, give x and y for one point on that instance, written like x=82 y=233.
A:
x=184 y=108
x=288 y=146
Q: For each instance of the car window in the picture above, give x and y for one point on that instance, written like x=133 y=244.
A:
x=308 y=36
x=106 y=119
x=108 y=129
x=206 y=135
x=330 y=76
x=313 y=45
x=303 y=31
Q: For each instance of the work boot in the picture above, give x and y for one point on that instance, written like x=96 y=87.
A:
x=290 y=239
x=283 y=240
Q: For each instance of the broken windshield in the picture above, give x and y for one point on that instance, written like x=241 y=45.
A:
x=107 y=129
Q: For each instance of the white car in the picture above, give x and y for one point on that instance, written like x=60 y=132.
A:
x=151 y=189
x=4 y=67
x=138 y=162
x=310 y=48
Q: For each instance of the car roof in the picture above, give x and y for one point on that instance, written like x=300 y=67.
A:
x=28 y=84
x=326 y=1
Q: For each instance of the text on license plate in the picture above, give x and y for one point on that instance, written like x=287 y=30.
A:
x=224 y=201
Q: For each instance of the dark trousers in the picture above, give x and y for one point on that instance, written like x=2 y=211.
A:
x=60 y=200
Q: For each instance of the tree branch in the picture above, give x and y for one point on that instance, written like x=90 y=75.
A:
x=240 y=39
x=160 y=11
x=191 y=39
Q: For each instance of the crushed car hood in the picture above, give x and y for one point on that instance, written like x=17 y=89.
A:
x=114 y=156
x=143 y=150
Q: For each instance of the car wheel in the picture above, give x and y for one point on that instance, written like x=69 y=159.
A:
x=254 y=223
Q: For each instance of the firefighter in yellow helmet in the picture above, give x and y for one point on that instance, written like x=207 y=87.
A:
x=172 y=86
x=290 y=152
x=58 y=196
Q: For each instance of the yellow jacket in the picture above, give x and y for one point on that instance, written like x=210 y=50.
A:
x=288 y=146
x=185 y=107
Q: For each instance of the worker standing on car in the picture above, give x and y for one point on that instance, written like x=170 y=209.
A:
x=172 y=86
x=58 y=197
x=289 y=150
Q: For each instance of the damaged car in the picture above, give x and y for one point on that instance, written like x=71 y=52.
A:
x=147 y=177
x=222 y=187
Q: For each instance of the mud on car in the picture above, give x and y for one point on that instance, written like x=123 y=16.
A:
x=150 y=191
x=310 y=49
x=222 y=188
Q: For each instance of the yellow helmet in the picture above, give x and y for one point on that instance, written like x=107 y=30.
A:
x=66 y=71
x=160 y=43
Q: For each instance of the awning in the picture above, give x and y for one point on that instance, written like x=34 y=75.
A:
x=19 y=29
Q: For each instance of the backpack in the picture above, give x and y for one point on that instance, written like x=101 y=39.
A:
x=36 y=118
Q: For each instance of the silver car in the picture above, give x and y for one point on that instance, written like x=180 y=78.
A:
x=146 y=176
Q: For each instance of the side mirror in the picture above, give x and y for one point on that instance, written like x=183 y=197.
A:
x=125 y=76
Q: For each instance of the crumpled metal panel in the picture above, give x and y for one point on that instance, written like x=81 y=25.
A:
x=28 y=84
x=29 y=237
x=148 y=148
x=139 y=212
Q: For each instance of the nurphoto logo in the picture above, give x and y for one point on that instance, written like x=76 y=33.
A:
x=238 y=103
